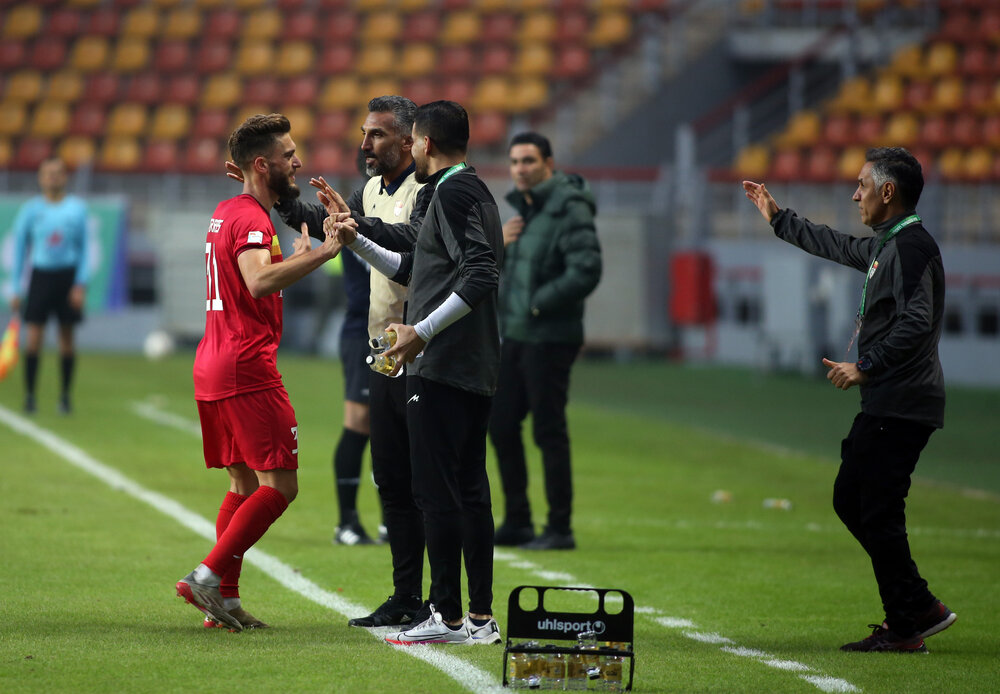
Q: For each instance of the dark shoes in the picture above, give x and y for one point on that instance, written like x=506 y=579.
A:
x=513 y=535
x=550 y=539
x=351 y=534
x=935 y=620
x=398 y=610
x=29 y=404
x=886 y=640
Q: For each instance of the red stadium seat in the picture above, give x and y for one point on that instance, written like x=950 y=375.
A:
x=337 y=58
x=487 y=128
x=976 y=60
x=301 y=90
x=203 y=155
x=821 y=165
x=89 y=118
x=423 y=90
x=330 y=159
x=422 y=26
x=967 y=130
x=223 y=24
x=935 y=132
x=211 y=123
x=572 y=27
x=918 y=95
x=213 y=56
x=262 y=90
x=496 y=59
x=498 y=27
x=300 y=25
x=786 y=166
x=161 y=156
x=459 y=90
x=991 y=130
x=145 y=88
x=64 y=22
x=183 y=88
x=340 y=26
x=172 y=56
x=31 y=152
x=48 y=54
x=869 y=130
x=333 y=125
x=572 y=61
x=13 y=54
x=978 y=96
x=102 y=87
x=103 y=21
x=456 y=60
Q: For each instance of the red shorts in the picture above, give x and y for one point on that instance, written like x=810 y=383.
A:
x=256 y=428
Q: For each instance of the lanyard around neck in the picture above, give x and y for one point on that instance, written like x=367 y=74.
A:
x=450 y=172
x=903 y=223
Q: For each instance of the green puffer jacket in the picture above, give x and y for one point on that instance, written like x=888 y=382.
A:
x=553 y=265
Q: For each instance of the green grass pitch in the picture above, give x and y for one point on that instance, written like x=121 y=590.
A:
x=731 y=597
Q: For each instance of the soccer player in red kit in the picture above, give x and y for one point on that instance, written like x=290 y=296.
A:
x=247 y=422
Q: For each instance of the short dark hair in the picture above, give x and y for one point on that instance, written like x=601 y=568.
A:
x=896 y=164
x=401 y=108
x=256 y=137
x=532 y=138
x=446 y=124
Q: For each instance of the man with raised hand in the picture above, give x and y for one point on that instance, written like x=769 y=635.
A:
x=451 y=345
x=247 y=422
x=898 y=373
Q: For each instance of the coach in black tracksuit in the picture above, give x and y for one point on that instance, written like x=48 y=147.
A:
x=899 y=375
x=452 y=346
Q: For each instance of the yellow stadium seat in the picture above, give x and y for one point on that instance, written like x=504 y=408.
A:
x=949 y=94
x=978 y=164
x=295 y=58
x=302 y=120
x=127 y=120
x=950 y=163
x=119 y=154
x=254 y=58
x=376 y=59
x=417 y=60
x=534 y=60
x=6 y=152
x=262 y=24
x=245 y=111
x=409 y=6
x=609 y=29
x=851 y=161
x=89 y=54
x=167 y=4
x=528 y=94
x=803 y=130
x=382 y=26
x=902 y=130
x=170 y=122
x=488 y=6
x=341 y=92
x=371 y=5
x=460 y=27
x=249 y=4
x=386 y=84
x=131 y=55
x=49 y=119
x=538 y=26
x=853 y=97
x=492 y=93
x=222 y=90
x=13 y=118
x=183 y=23
x=887 y=94
x=85 y=4
x=141 y=21
x=24 y=86
x=22 y=22
x=77 y=151
x=64 y=85
x=907 y=61
x=753 y=162
x=941 y=59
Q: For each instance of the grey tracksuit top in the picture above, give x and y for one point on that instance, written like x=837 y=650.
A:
x=903 y=311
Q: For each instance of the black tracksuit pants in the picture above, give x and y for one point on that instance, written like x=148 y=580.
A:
x=391 y=468
x=877 y=458
x=447 y=427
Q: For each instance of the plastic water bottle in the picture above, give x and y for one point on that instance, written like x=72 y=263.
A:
x=380 y=363
x=384 y=341
x=524 y=668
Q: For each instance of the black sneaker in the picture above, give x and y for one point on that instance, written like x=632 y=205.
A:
x=351 y=534
x=29 y=404
x=64 y=406
x=935 y=620
x=513 y=535
x=398 y=610
x=550 y=539
x=884 y=640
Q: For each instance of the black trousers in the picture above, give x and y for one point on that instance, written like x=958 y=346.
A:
x=391 y=468
x=534 y=378
x=447 y=428
x=877 y=458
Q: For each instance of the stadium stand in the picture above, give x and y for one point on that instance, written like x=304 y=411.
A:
x=120 y=82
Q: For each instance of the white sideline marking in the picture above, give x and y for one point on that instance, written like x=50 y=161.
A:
x=467 y=675
x=149 y=409
x=824 y=683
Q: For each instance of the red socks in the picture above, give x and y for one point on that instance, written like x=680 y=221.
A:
x=230 y=586
x=248 y=522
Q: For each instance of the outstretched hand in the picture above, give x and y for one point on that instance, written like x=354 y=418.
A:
x=301 y=243
x=759 y=196
x=408 y=346
x=328 y=197
x=844 y=374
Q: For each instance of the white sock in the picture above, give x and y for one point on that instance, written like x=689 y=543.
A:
x=206 y=576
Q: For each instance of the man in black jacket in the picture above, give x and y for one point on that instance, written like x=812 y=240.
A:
x=898 y=373
x=451 y=344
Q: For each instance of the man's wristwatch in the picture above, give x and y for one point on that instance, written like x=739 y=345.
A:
x=864 y=364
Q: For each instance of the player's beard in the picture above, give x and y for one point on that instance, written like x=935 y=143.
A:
x=421 y=173
x=282 y=185
x=383 y=164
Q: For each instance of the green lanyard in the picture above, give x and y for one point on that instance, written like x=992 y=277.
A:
x=912 y=219
x=453 y=170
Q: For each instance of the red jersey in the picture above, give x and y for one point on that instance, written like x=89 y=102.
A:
x=238 y=353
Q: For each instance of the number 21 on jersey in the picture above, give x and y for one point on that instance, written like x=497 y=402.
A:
x=213 y=302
